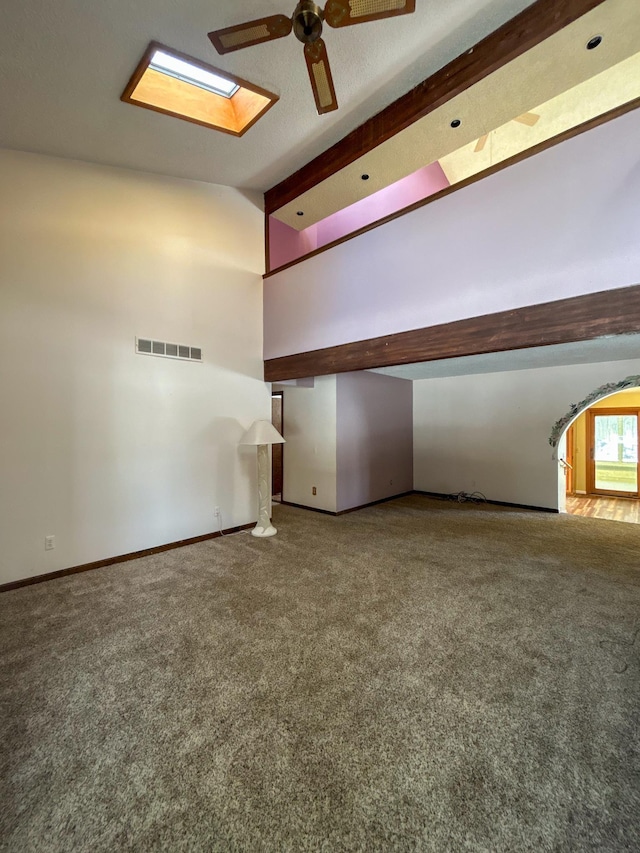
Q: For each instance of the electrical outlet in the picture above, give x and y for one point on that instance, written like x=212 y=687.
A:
x=49 y=543
x=216 y=512
x=314 y=491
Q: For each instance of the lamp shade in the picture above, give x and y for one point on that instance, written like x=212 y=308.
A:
x=262 y=432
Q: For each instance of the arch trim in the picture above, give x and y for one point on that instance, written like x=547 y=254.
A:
x=576 y=408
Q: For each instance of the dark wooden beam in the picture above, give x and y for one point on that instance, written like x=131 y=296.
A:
x=590 y=124
x=533 y=25
x=578 y=318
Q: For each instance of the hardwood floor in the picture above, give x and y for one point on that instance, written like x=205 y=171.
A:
x=614 y=509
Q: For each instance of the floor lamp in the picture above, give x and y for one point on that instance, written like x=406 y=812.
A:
x=262 y=434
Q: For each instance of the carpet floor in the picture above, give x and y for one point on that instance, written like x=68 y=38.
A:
x=415 y=676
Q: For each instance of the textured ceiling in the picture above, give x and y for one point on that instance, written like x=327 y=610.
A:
x=64 y=64
x=617 y=348
x=557 y=65
x=597 y=95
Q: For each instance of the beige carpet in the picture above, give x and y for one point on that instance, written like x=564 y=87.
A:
x=416 y=676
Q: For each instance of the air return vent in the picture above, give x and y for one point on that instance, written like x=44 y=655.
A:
x=147 y=346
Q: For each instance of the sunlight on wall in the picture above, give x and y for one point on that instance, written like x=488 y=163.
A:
x=581 y=451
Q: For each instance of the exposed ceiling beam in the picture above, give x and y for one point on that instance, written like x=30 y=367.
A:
x=578 y=318
x=533 y=25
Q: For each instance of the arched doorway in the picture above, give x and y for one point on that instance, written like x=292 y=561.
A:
x=597 y=452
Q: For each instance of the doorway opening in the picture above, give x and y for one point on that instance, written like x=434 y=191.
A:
x=612 y=463
x=277 y=456
x=599 y=459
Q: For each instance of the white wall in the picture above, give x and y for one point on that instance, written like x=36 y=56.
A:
x=110 y=451
x=562 y=223
x=309 y=429
x=351 y=437
x=375 y=438
x=490 y=432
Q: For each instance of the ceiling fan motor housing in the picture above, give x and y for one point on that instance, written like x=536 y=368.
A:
x=307 y=22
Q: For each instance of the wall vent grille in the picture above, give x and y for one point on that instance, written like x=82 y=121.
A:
x=147 y=346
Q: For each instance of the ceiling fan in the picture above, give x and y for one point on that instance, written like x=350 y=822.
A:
x=306 y=23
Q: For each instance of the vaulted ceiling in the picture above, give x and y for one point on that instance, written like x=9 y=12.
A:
x=64 y=64
x=586 y=66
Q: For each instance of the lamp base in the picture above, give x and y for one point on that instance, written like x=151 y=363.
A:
x=264 y=531
x=264 y=527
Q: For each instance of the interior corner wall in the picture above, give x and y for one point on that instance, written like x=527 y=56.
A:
x=309 y=452
x=490 y=432
x=559 y=224
x=374 y=438
x=109 y=451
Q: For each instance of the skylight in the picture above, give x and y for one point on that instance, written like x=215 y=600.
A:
x=167 y=81
x=194 y=74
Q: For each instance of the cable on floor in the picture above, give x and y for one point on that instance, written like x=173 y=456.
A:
x=464 y=497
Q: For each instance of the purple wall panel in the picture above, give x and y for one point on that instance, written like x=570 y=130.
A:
x=286 y=244
x=421 y=184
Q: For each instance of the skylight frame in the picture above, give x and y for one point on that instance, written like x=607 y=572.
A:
x=241 y=110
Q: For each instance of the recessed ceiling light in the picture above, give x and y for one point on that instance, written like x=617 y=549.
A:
x=194 y=74
x=365 y=177
x=178 y=85
x=456 y=122
x=594 y=42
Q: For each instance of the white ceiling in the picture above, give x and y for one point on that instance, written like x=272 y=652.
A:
x=614 y=348
x=64 y=64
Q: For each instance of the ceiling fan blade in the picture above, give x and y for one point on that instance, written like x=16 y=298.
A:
x=528 y=118
x=481 y=143
x=344 y=13
x=250 y=33
x=320 y=75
